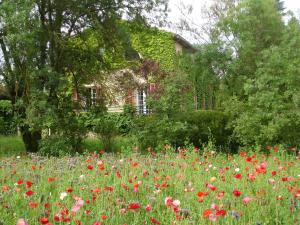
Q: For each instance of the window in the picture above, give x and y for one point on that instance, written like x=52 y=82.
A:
x=93 y=96
x=142 y=107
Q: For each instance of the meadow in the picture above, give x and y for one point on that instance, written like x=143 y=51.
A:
x=190 y=186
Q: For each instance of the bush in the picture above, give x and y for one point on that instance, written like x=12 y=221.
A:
x=55 y=145
x=7 y=125
x=197 y=127
x=153 y=131
x=207 y=124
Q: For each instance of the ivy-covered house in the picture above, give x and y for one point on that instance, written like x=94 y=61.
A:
x=152 y=52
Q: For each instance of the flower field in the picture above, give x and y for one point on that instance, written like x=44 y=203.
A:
x=171 y=188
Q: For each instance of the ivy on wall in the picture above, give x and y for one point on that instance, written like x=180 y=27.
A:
x=155 y=44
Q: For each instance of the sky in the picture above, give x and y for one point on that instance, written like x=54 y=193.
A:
x=197 y=18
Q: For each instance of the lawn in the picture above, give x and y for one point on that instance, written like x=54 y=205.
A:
x=169 y=188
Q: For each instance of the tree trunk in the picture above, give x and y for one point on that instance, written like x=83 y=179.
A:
x=31 y=139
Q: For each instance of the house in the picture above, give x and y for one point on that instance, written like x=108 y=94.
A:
x=155 y=50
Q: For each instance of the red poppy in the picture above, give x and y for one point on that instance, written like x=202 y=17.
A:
x=69 y=190
x=29 y=193
x=104 y=217
x=32 y=205
x=108 y=188
x=238 y=176
x=51 y=179
x=236 y=193
x=201 y=194
x=274 y=173
x=134 y=206
x=20 y=181
x=96 y=190
x=220 y=213
x=207 y=212
x=90 y=167
x=44 y=220
x=154 y=221
x=28 y=184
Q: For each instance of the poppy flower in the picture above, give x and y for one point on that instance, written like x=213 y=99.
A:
x=20 y=181
x=29 y=193
x=220 y=213
x=207 y=212
x=201 y=194
x=51 y=179
x=134 y=206
x=104 y=217
x=236 y=193
x=154 y=221
x=32 y=205
x=246 y=200
x=90 y=167
x=238 y=176
x=28 y=184
x=44 y=220
x=21 y=222
x=168 y=201
x=97 y=223
x=148 y=208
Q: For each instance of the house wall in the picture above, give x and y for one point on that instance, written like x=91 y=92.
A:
x=178 y=48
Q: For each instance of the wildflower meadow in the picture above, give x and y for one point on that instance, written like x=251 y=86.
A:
x=183 y=187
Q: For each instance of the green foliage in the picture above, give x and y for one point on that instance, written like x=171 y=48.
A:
x=7 y=123
x=271 y=112
x=48 y=53
x=207 y=124
x=154 y=44
x=56 y=146
x=154 y=131
x=174 y=94
x=196 y=127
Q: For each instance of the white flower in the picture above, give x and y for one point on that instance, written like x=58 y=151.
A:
x=210 y=166
x=63 y=195
x=18 y=157
x=176 y=202
x=81 y=177
x=237 y=169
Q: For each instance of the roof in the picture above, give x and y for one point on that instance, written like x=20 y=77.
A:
x=184 y=43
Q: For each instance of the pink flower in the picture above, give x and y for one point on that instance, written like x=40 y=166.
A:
x=212 y=217
x=79 y=203
x=97 y=223
x=75 y=208
x=21 y=222
x=168 y=201
x=246 y=200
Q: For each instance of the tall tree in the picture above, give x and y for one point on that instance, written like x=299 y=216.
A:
x=38 y=53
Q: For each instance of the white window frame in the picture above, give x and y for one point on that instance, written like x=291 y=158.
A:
x=93 y=96
x=141 y=105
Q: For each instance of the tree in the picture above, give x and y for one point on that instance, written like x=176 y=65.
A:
x=271 y=112
x=40 y=65
x=246 y=29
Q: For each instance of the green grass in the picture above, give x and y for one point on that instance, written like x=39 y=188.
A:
x=108 y=184
x=11 y=145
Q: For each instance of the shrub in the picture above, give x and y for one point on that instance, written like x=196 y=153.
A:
x=7 y=125
x=153 y=131
x=55 y=145
x=197 y=127
x=207 y=124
